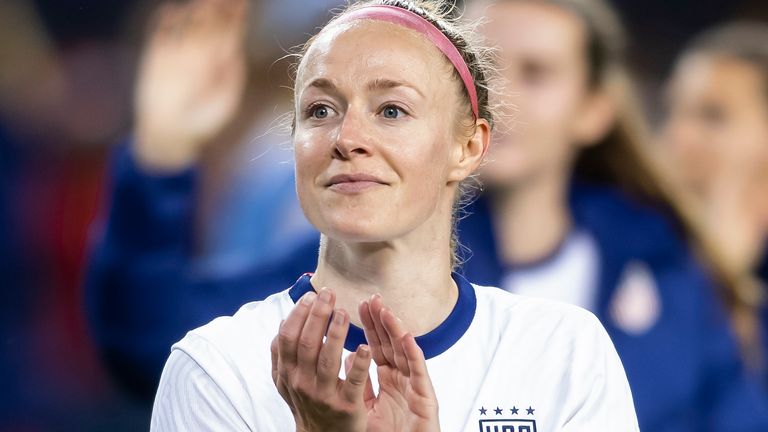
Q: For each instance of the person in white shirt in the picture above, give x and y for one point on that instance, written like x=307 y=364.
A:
x=392 y=119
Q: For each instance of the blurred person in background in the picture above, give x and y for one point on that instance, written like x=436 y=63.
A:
x=201 y=197
x=63 y=80
x=716 y=138
x=575 y=209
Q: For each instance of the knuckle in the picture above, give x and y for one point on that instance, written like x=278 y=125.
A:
x=324 y=363
x=320 y=311
x=355 y=380
x=306 y=343
x=304 y=388
x=286 y=335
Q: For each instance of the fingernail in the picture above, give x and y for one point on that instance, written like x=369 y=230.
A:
x=363 y=350
x=338 y=317
x=325 y=296
x=308 y=298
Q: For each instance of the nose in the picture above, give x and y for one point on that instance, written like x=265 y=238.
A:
x=352 y=138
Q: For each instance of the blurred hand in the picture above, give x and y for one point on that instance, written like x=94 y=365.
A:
x=190 y=81
x=305 y=370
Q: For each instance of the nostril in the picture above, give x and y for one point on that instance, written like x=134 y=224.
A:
x=338 y=154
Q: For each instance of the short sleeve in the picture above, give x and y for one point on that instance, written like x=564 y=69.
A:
x=189 y=399
x=602 y=396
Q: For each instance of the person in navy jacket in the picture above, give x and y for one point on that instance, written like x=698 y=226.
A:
x=716 y=135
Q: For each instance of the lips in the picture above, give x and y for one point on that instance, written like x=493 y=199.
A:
x=354 y=178
x=353 y=183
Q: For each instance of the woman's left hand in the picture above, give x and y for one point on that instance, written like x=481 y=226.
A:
x=406 y=399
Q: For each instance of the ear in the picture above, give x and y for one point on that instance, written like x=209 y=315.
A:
x=595 y=118
x=470 y=152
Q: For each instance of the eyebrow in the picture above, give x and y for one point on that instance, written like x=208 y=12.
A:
x=376 y=84
x=385 y=84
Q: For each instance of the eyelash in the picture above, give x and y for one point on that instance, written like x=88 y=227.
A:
x=309 y=110
x=395 y=106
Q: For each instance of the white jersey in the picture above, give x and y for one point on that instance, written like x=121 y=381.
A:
x=499 y=363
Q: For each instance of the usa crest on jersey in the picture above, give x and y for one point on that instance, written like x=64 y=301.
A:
x=507 y=425
x=498 y=421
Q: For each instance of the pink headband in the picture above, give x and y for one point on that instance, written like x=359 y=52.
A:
x=413 y=21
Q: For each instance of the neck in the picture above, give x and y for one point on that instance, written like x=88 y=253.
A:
x=412 y=274
x=531 y=219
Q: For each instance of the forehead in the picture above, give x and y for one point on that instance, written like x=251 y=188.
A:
x=726 y=77
x=366 y=49
x=534 y=29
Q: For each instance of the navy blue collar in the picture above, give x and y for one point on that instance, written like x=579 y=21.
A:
x=433 y=343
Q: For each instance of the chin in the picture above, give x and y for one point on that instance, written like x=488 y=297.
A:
x=500 y=174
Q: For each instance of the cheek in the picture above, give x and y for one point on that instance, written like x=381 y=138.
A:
x=310 y=156
x=538 y=136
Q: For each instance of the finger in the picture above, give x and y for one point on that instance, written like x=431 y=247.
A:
x=329 y=359
x=395 y=330
x=205 y=14
x=311 y=338
x=370 y=333
x=230 y=13
x=348 y=362
x=183 y=19
x=368 y=396
x=279 y=382
x=419 y=376
x=288 y=335
x=275 y=357
x=355 y=384
x=166 y=16
x=164 y=23
x=376 y=306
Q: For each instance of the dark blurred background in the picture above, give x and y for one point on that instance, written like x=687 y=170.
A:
x=66 y=75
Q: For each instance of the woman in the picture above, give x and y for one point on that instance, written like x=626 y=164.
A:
x=391 y=116
x=716 y=134
x=575 y=210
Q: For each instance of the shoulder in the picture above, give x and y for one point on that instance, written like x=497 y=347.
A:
x=536 y=316
x=557 y=343
x=233 y=352
x=252 y=326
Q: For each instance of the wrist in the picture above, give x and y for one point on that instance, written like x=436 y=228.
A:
x=155 y=152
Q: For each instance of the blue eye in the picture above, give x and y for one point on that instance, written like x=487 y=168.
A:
x=319 y=111
x=392 y=112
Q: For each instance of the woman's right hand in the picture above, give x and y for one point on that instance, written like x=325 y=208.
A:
x=305 y=370
x=190 y=81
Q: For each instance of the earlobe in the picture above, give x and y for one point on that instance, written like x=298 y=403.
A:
x=472 y=152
